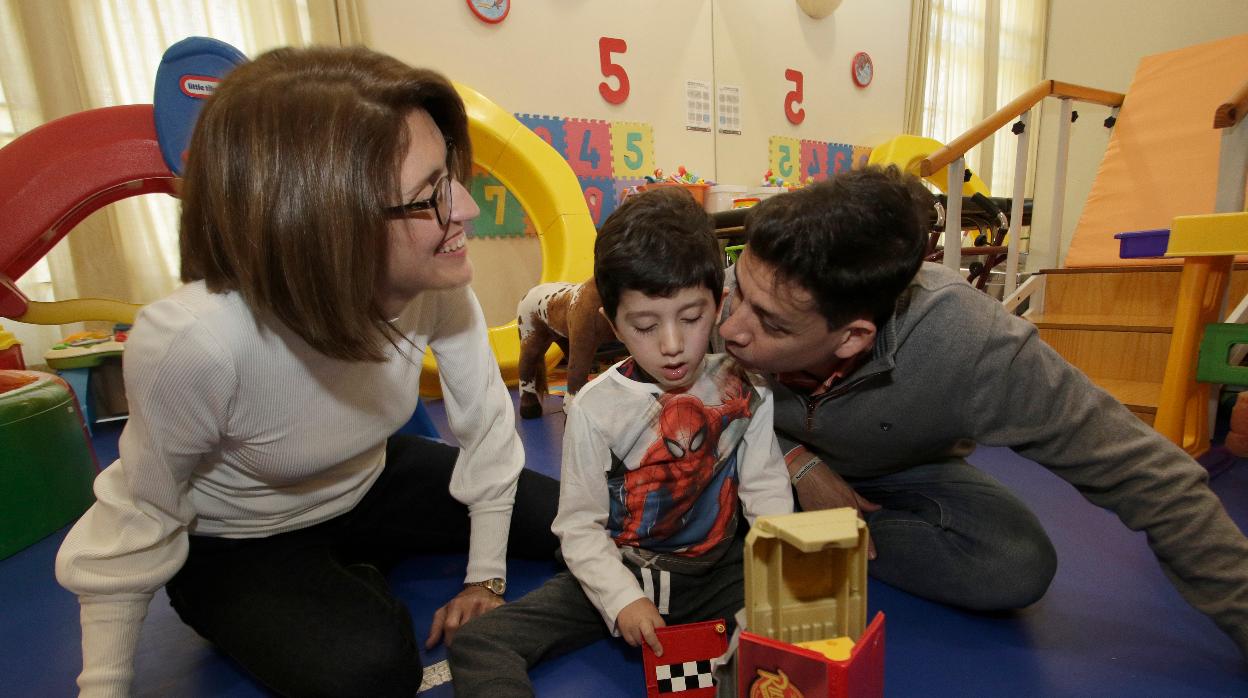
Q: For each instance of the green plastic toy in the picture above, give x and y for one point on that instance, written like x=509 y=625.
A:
x=46 y=462
x=1212 y=364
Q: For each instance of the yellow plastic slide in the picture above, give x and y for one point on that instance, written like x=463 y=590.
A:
x=906 y=152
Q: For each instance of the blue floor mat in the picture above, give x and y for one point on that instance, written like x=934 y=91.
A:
x=1111 y=625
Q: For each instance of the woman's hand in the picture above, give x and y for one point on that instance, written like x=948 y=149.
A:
x=467 y=604
x=636 y=623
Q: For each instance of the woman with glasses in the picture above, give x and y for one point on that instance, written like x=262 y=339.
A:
x=323 y=250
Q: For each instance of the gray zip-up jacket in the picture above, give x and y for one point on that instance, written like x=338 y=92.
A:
x=952 y=369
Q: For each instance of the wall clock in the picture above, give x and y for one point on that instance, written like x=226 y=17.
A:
x=862 y=69
x=818 y=9
x=492 y=11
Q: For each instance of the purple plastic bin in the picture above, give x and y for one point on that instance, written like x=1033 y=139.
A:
x=1143 y=243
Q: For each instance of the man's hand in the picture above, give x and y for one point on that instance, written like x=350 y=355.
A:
x=468 y=604
x=820 y=488
x=636 y=623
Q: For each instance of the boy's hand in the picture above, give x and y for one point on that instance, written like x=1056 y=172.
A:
x=636 y=623
x=468 y=604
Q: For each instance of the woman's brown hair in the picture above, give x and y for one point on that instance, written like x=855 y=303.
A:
x=291 y=162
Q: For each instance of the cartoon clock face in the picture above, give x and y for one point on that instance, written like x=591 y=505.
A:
x=863 y=70
x=492 y=11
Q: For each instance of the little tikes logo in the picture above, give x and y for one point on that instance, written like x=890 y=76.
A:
x=198 y=86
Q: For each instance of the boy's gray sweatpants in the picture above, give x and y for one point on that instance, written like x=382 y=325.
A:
x=491 y=654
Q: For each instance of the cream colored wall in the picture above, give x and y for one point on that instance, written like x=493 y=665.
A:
x=543 y=59
x=755 y=42
x=1099 y=44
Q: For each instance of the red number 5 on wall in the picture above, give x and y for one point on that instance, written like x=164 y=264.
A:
x=796 y=116
x=610 y=69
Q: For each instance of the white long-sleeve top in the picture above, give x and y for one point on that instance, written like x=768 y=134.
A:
x=618 y=426
x=239 y=429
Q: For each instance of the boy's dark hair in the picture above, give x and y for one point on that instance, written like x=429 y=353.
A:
x=854 y=241
x=657 y=242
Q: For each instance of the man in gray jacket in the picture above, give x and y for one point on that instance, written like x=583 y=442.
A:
x=888 y=371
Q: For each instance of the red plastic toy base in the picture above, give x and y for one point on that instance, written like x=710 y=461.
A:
x=767 y=667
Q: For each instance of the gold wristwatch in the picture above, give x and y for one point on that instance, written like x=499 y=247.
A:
x=496 y=585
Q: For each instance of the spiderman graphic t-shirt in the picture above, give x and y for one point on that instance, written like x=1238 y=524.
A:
x=674 y=490
x=656 y=479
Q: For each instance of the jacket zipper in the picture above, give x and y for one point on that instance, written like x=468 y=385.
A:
x=812 y=403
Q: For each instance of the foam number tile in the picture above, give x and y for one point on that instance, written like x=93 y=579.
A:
x=600 y=196
x=548 y=128
x=632 y=149
x=589 y=147
x=840 y=158
x=501 y=213
x=862 y=153
x=814 y=161
x=785 y=158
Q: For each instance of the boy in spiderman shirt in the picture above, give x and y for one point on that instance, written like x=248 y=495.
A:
x=658 y=450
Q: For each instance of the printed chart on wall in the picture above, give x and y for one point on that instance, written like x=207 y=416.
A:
x=606 y=157
x=729 y=109
x=697 y=105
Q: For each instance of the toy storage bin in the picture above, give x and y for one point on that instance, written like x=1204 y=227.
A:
x=1143 y=243
x=720 y=196
x=697 y=190
x=766 y=192
x=47 y=466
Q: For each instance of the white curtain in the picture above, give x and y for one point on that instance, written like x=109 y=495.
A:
x=59 y=57
x=971 y=57
x=954 y=71
x=1020 y=65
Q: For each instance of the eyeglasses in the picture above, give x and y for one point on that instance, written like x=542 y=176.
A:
x=439 y=201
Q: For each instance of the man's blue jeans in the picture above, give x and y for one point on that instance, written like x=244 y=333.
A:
x=950 y=533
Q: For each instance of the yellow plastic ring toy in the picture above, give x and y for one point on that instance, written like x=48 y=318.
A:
x=549 y=193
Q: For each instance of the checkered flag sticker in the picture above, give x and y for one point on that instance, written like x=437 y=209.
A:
x=690 y=654
x=686 y=676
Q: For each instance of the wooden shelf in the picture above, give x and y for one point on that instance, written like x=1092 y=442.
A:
x=1170 y=266
x=1115 y=325
x=1129 y=356
x=1138 y=396
x=1104 y=323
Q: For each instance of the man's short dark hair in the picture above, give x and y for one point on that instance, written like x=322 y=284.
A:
x=657 y=242
x=854 y=241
